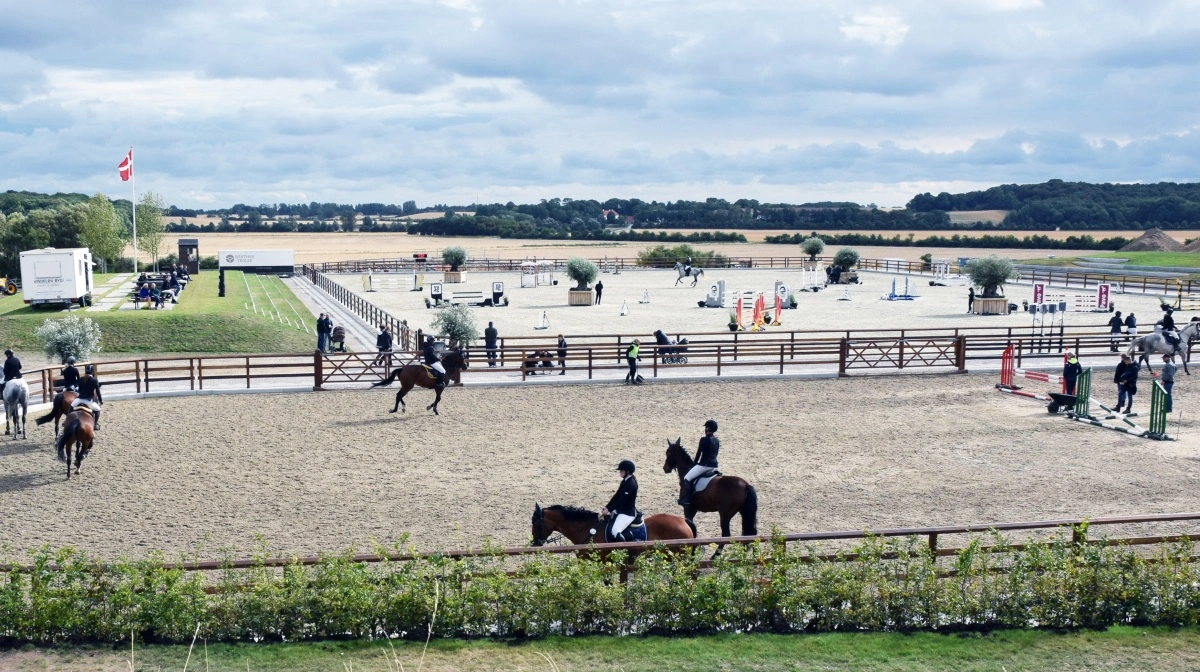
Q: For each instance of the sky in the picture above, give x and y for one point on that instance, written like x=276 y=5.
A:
x=463 y=101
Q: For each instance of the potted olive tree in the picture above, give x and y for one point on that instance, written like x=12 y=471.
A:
x=584 y=273
x=812 y=247
x=455 y=257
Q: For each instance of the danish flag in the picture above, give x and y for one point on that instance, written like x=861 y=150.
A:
x=126 y=167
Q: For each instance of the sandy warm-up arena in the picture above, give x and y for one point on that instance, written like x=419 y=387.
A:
x=321 y=472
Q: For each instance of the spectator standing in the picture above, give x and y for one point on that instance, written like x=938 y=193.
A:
x=1117 y=376
x=1071 y=371
x=562 y=355
x=970 y=300
x=490 y=336
x=631 y=358
x=1114 y=331
x=383 y=342
x=599 y=291
x=1168 y=379
x=324 y=326
x=1131 y=326
x=1129 y=384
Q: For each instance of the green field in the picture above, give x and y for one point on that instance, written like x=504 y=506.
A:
x=1181 y=259
x=1121 y=648
x=200 y=322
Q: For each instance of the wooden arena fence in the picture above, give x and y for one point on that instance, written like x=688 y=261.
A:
x=940 y=540
x=708 y=354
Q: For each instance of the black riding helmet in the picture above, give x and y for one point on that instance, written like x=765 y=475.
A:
x=711 y=425
x=89 y=369
x=626 y=465
x=71 y=360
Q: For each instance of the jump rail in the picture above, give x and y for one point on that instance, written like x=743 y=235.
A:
x=1078 y=527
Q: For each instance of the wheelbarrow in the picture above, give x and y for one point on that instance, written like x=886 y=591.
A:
x=1059 y=401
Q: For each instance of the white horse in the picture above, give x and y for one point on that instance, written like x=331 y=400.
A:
x=693 y=273
x=16 y=398
x=1156 y=343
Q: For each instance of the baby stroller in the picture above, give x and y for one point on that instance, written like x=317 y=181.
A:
x=671 y=355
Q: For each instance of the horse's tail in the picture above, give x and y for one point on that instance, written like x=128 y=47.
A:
x=391 y=378
x=692 y=527
x=47 y=417
x=750 y=512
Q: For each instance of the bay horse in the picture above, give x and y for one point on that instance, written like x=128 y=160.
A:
x=693 y=273
x=726 y=495
x=1156 y=343
x=60 y=409
x=16 y=407
x=78 y=432
x=582 y=526
x=417 y=375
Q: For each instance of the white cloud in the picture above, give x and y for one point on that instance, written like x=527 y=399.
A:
x=879 y=28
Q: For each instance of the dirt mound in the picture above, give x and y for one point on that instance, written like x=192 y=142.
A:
x=1193 y=246
x=1153 y=240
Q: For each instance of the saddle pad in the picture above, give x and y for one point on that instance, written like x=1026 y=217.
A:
x=702 y=482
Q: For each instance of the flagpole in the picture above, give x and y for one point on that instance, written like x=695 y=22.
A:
x=133 y=203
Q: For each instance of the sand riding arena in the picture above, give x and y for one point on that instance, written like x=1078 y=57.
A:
x=324 y=471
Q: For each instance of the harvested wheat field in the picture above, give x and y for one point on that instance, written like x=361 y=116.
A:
x=325 y=471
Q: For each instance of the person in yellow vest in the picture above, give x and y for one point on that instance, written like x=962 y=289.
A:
x=631 y=357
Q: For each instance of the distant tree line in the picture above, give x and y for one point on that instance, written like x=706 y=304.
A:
x=1078 y=205
x=1082 y=242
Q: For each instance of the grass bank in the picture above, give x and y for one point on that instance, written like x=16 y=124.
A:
x=201 y=322
x=1180 y=259
x=1120 y=648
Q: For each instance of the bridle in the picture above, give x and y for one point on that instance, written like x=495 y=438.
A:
x=552 y=539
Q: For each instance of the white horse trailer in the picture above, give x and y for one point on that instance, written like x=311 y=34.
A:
x=53 y=276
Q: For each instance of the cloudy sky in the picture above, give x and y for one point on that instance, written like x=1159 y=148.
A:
x=458 y=101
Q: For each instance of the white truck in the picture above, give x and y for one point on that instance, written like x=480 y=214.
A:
x=54 y=276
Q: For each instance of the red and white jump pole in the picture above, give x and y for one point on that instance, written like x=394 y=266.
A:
x=1009 y=373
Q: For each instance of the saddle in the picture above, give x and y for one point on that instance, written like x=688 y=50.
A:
x=704 y=479
x=636 y=530
x=83 y=409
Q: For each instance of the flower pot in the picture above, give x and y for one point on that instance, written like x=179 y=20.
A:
x=733 y=327
x=579 y=297
x=455 y=276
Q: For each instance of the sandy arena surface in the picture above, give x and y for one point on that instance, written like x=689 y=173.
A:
x=324 y=471
x=674 y=309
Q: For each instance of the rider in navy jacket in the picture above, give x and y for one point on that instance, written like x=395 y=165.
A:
x=622 y=508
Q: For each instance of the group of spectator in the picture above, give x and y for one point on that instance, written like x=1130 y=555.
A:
x=155 y=291
x=1125 y=378
x=329 y=337
x=543 y=359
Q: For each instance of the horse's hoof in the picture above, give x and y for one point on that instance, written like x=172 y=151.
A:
x=392 y=411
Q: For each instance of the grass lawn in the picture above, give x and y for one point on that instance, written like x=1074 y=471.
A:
x=1185 y=259
x=1115 y=649
x=200 y=322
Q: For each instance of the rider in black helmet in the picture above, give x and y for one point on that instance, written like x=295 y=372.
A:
x=622 y=506
x=70 y=375
x=429 y=353
x=706 y=458
x=89 y=394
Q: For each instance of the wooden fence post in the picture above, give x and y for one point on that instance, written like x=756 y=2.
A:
x=317 y=373
x=960 y=353
x=843 y=355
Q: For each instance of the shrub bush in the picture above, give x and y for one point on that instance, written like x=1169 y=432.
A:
x=69 y=336
x=457 y=323
x=664 y=256
x=812 y=247
x=894 y=584
x=455 y=256
x=846 y=258
x=582 y=271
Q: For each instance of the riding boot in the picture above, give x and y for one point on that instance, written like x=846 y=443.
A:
x=685 y=496
x=441 y=382
x=96 y=421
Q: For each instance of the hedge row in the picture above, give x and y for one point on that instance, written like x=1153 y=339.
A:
x=882 y=585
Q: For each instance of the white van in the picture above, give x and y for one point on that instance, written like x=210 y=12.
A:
x=57 y=276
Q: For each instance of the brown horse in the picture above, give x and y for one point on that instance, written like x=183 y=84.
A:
x=78 y=431
x=726 y=495
x=60 y=409
x=582 y=526
x=417 y=375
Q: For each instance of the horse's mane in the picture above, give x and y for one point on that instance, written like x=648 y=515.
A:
x=574 y=513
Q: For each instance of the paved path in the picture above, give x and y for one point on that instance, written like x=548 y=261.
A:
x=360 y=336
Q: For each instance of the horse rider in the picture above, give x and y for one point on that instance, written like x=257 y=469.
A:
x=434 y=364
x=622 y=508
x=687 y=267
x=706 y=458
x=70 y=375
x=12 y=369
x=1168 y=329
x=89 y=394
